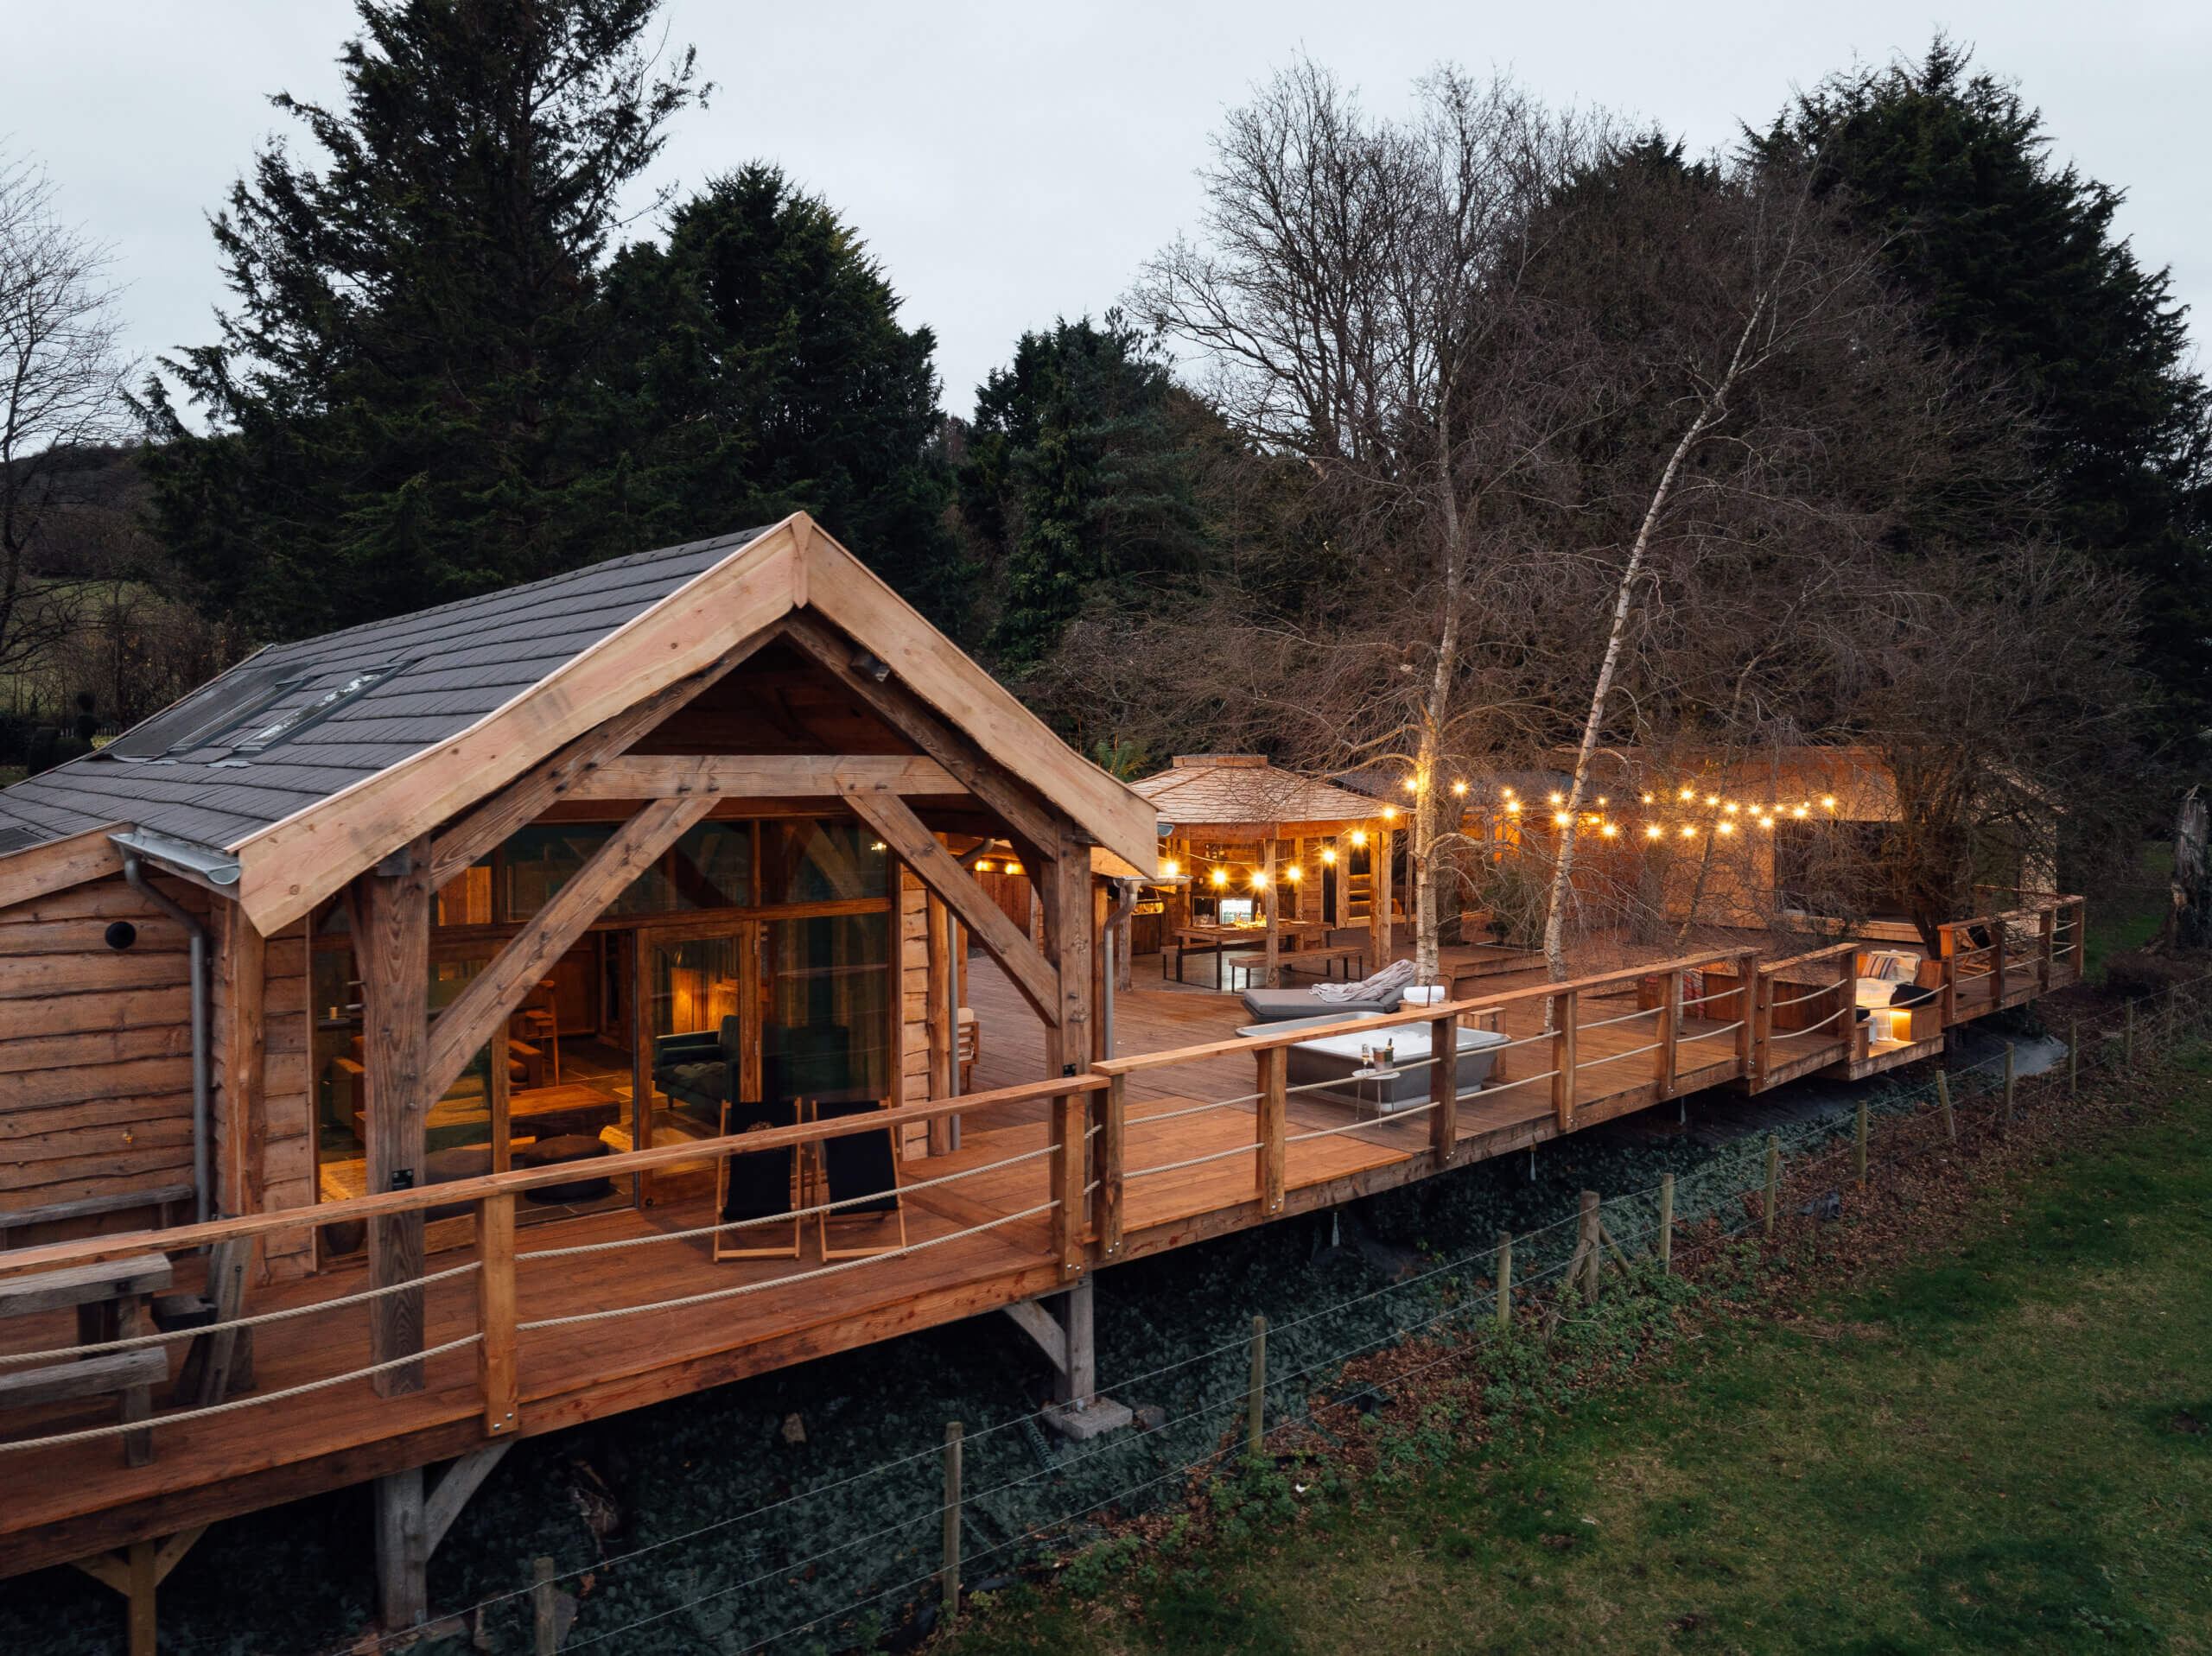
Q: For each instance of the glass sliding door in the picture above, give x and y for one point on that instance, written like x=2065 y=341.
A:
x=827 y=1025
x=698 y=1001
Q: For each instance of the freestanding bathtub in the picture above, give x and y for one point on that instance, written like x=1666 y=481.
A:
x=1336 y=1058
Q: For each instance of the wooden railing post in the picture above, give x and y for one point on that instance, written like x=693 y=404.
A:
x=1670 y=1029
x=1847 y=995
x=1112 y=1106
x=1563 y=1060
x=1274 y=1126
x=495 y=1311
x=1754 y=1012
x=1443 y=1089
x=1948 y=941
x=1997 y=981
x=2048 y=957
x=1067 y=1166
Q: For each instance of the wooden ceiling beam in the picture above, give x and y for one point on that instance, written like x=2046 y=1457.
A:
x=915 y=845
x=480 y=1009
x=522 y=801
x=766 y=776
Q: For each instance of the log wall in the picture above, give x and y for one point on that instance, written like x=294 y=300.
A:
x=95 y=1055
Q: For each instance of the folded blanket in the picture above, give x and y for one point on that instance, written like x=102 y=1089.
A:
x=1391 y=978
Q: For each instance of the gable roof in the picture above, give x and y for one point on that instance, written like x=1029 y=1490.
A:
x=1237 y=791
x=476 y=692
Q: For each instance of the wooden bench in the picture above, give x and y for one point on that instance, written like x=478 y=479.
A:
x=113 y=1300
x=1328 y=954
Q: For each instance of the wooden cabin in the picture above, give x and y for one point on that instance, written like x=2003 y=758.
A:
x=552 y=1003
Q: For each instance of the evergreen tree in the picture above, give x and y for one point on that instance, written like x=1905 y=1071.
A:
x=2017 y=263
x=761 y=369
x=1080 y=479
x=396 y=400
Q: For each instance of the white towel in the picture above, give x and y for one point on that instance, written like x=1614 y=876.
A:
x=1378 y=986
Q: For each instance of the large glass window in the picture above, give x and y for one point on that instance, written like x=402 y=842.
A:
x=828 y=1027
x=825 y=862
x=711 y=868
x=540 y=860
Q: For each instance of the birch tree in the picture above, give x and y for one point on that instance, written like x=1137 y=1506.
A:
x=1357 y=297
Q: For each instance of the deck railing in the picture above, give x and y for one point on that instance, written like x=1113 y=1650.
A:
x=1700 y=1020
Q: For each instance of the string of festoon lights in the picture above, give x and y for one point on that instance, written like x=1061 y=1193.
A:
x=1689 y=813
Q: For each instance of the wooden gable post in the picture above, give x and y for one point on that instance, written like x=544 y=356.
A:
x=240 y=1061
x=391 y=948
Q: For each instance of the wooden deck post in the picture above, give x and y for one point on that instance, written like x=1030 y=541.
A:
x=391 y=947
x=1067 y=1175
x=1067 y=911
x=1997 y=942
x=1274 y=915
x=1563 y=1060
x=1755 y=1014
x=1846 y=994
x=1670 y=1029
x=1443 y=1089
x=1274 y=1116
x=402 y=1551
x=495 y=1310
x=1112 y=1106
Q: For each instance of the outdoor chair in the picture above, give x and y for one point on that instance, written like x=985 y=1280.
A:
x=756 y=1184
x=1381 y=992
x=859 y=1169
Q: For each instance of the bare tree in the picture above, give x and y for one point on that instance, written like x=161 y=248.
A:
x=1358 y=298
x=63 y=392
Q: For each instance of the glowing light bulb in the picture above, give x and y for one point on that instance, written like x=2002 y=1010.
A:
x=1259 y=879
x=1513 y=808
x=1602 y=799
x=1557 y=798
x=1171 y=868
x=1221 y=876
x=1727 y=827
x=1013 y=868
x=1609 y=830
x=1646 y=799
x=1459 y=787
x=1294 y=873
x=1689 y=793
x=1829 y=801
x=1390 y=813
x=983 y=867
x=1730 y=808
x=1689 y=832
x=1800 y=811
x=1329 y=854
x=1653 y=832
x=1560 y=818
x=1410 y=785
x=1359 y=836
x=1712 y=799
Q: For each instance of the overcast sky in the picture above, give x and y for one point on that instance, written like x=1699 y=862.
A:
x=1011 y=163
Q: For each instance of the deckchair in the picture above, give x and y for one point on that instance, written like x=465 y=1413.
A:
x=857 y=1167
x=757 y=1185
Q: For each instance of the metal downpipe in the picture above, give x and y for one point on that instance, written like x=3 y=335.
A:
x=202 y=1171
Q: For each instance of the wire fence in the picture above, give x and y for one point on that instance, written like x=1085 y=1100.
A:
x=837 y=1565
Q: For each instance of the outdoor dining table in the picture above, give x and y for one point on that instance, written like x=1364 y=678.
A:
x=1288 y=932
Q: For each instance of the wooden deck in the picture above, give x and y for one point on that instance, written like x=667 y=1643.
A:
x=1187 y=1157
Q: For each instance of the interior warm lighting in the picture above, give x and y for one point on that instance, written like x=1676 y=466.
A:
x=1221 y=876
x=1013 y=868
x=878 y=846
x=983 y=868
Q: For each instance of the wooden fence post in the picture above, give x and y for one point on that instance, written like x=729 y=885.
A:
x=1273 y=1129
x=2073 y=1057
x=1256 y=1419
x=1773 y=1180
x=495 y=1311
x=1943 y=1098
x=1859 y=1149
x=1666 y=1224
x=545 y=1622
x=948 y=1576
x=1504 y=1280
x=1589 y=1250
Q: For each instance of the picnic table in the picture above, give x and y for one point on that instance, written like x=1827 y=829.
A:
x=1288 y=933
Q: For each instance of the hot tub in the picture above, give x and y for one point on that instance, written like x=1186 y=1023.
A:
x=1336 y=1058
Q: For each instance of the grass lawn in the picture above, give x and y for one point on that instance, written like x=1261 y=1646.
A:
x=2130 y=917
x=1998 y=1448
